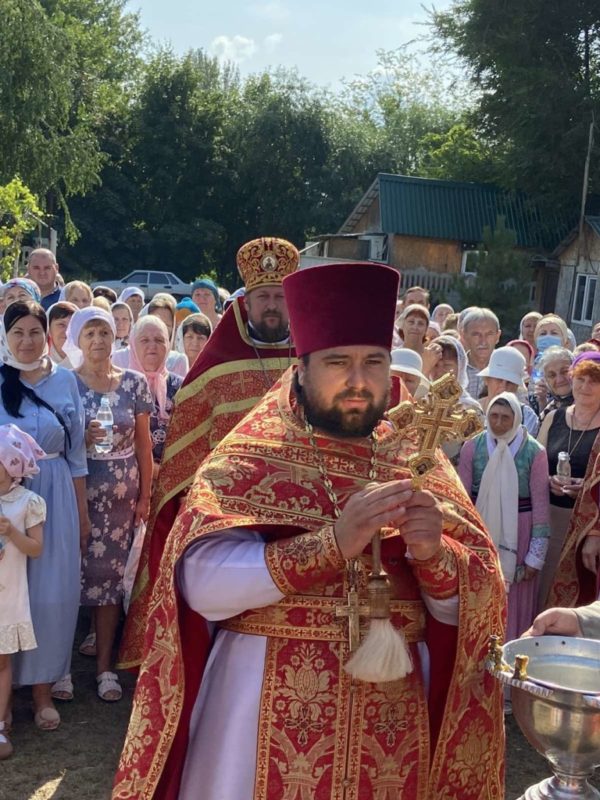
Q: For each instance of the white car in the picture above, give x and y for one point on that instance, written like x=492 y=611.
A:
x=151 y=282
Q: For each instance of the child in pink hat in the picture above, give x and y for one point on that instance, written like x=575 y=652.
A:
x=22 y=515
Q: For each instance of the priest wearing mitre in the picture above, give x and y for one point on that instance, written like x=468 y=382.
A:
x=319 y=624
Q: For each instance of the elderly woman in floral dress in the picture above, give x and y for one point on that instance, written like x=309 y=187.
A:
x=119 y=482
x=149 y=349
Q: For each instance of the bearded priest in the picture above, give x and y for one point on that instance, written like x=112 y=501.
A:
x=246 y=691
x=246 y=354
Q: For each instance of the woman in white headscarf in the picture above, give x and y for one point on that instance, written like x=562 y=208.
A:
x=505 y=470
x=446 y=356
x=123 y=317
x=119 y=481
x=162 y=306
x=135 y=299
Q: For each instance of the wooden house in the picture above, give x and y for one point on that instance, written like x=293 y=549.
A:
x=578 y=298
x=430 y=229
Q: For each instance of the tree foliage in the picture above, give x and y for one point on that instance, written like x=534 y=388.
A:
x=499 y=281
x=19 y=214
x=536 y=66
x=400 y=104
x=65 y=66
x=201 y=161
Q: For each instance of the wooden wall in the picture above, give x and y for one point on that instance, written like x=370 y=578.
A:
x=370 y=222
x=438 y=255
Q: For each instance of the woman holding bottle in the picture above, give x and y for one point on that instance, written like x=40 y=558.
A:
x=120 y=475
x=569 y=435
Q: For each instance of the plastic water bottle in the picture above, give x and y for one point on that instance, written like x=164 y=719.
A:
x=536 y=373
x=105 y=418
x=563 y=467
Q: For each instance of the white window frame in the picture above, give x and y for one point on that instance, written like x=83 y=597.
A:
x=591 y=284
x=463 y=262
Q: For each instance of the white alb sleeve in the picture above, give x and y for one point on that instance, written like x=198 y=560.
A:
x=225 y=573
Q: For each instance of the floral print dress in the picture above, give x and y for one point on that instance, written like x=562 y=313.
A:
x=112 y=490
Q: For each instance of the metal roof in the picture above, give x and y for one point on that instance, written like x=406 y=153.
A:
x=594 y=223
x=451 y=210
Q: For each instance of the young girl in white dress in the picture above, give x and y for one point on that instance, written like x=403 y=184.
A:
x=22 y=514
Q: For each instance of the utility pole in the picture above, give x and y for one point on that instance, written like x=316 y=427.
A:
x=584 y=193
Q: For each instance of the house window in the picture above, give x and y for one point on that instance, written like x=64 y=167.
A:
x=470 y=260
x=585 y=291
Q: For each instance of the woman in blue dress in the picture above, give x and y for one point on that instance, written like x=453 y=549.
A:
x=43 y=400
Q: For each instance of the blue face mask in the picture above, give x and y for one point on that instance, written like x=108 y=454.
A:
x=548 y=340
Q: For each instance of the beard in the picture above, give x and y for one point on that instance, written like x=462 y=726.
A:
x=267 y=332
x=354 y=423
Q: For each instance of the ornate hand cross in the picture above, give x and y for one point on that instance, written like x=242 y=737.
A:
x=436 y=418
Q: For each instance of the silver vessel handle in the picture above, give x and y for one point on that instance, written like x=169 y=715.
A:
x=506 y=678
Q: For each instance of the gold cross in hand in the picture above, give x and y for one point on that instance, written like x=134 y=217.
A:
x=436 y=419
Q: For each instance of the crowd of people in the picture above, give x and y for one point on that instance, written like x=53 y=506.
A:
x=175 y=378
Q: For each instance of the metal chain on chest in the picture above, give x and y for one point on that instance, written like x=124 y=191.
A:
x=268 y=382
x=352 y=564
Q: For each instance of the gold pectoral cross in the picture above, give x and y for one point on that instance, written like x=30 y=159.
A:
x=436 y=419
x=352 y=611
x=378 y=604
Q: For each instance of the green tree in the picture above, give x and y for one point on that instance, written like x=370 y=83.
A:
x=401 y=103
x=156 y=205
x=279 y=150
x=462 y=154
x=201 y=161
x=499 y=278
x=535 y=65
x=19 y=214
x=64 y=67
x=179 y=159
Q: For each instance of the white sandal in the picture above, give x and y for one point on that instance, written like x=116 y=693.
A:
x=109 y=682
x=63 y=689
x=88 y=646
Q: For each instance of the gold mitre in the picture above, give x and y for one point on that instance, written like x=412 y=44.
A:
x=266 y=261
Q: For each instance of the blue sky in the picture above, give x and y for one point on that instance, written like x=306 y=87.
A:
x=325 y=39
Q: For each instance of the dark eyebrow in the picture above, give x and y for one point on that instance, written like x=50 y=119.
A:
x=344 y=356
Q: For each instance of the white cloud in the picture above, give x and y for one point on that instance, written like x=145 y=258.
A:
x=273 y=10
x=233 y=48
x=272 y=41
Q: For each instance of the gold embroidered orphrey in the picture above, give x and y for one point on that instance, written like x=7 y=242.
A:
x=435 y=419
x=354 y=609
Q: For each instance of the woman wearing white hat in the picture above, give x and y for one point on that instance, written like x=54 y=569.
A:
x=408 y=365
x=505 y=373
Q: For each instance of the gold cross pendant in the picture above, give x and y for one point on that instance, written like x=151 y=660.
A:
x=352 y=611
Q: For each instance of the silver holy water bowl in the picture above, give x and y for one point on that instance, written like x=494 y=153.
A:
x=555 y=692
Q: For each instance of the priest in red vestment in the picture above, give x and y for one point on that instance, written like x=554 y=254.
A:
x=247 y=353
x=244 y=692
